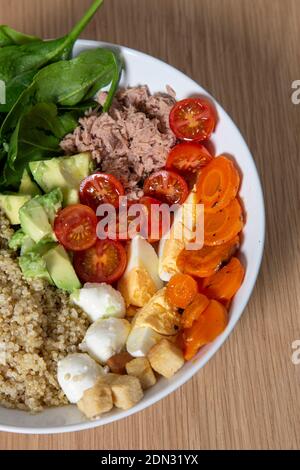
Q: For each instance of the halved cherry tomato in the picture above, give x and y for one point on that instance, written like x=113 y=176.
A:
x=181 y=290
x=167 y=186
x=153 y=233
x=104 y=262
x=100 y=188
x=188 y=157
x=75 y=227
x=125 y=229
x=128 y=228
x=192 y=119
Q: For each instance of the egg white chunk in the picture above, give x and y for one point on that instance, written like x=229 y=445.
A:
x=105 y=338
x=99 y=301
x=141 y=340
x=77 y=373
x=140 y=280
x=178 y=237
x=142 y=254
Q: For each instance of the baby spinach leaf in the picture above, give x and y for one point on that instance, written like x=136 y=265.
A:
x=68 y=83
x=15 y=88
x=117 y=71
x=10 y=37
x=19 y=62
x=36 y=137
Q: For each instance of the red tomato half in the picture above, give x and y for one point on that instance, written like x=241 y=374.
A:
x=104 y=262
x=75 y=227
x=192 y=119
x=126 y=227
x=100 y=188
x=148 y=202
x=188 y=157
x=167 y=187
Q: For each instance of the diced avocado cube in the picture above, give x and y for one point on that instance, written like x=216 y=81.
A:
x=61 y=269
x=48 y=175
x=52 y=203
x=27 y=245
x=11 y=203
x=65 y=173
x=71 y=196
x=16 y=240
x=33 y=264
x=76 y=168
x=27 y=186
x=34 y=220
x=38 y=214
x=21 y=240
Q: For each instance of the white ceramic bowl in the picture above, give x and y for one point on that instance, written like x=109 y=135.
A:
x=143 y=69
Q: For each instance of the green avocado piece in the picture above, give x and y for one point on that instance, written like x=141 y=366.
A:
x=52 y=203
x=65 y=173
x=16 y=240
x=27 y=186
x=33 y=264
x=27 y=245
x=61 y=269
x=11 y=203
x=21 y=240
x=37 y=215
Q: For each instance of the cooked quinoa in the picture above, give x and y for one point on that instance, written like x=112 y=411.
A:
x=38 y=327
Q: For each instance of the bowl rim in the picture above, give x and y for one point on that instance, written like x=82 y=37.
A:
x=171 y=387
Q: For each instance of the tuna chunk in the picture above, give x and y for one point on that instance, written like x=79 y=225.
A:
x=132 y=140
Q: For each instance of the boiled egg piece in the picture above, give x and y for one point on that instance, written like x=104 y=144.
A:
x=159 y=315
x=140 y=280
x=77 y=373
x=179 y=236
x=141 y=340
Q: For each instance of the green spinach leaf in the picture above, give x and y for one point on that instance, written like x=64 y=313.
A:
x=68 y=83
x=19 y=63
x=10 y=37
x=36 y=137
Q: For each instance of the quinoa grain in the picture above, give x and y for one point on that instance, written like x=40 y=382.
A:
x=38 y=327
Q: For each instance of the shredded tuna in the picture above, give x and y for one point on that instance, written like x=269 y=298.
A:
x=132 y=140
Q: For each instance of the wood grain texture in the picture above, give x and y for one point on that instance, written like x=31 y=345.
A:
x=246 y=53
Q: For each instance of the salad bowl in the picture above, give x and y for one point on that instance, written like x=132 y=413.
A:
x=227 y=139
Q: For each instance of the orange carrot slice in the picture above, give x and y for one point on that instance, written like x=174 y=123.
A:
x=205 y=262
x=194 y=310
x=181 y=290
x=211 y=323
x=225 y=283
x=217 y=184
x=222 y=226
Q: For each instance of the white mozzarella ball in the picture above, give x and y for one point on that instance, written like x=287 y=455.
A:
x=99 y=301
x=77 y=373
x=105 y=338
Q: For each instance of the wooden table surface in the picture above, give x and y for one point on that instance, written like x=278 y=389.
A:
x=246 y=53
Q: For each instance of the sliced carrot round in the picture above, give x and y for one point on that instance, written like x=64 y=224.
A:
x=181 y=290
x=224 y=284
x=222 y=226
x=205 y=262
x=217 y=184
x=210 y=324
x=194 y=310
